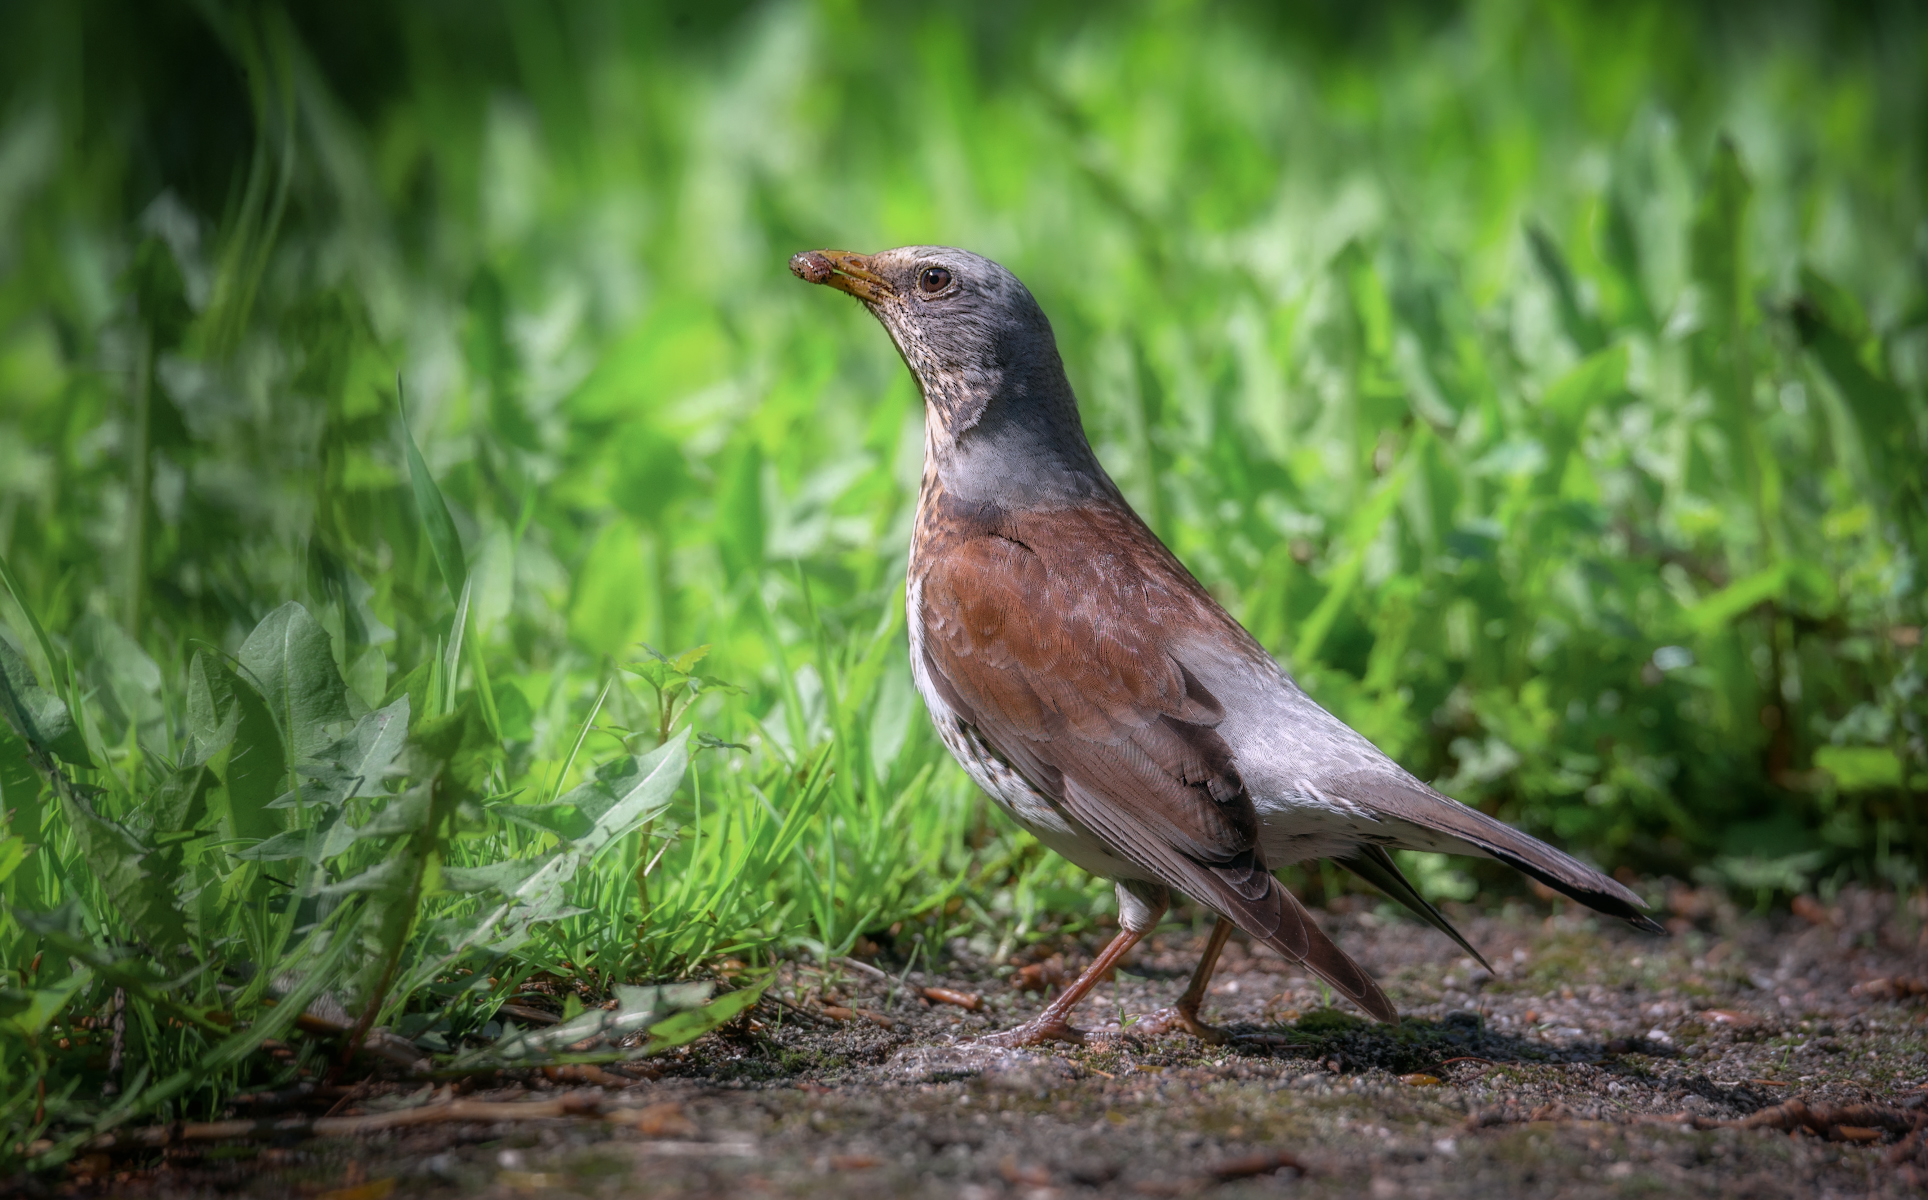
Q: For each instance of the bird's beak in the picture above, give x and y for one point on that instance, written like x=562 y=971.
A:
x=843 y=270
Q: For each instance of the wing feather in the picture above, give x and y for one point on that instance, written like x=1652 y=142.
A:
x=1051 y=643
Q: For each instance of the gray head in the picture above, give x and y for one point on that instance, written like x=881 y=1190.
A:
x=1000 y=414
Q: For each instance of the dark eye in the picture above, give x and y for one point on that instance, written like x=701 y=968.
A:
x=934 y=280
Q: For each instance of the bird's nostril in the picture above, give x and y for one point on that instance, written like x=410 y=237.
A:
x=811 y=267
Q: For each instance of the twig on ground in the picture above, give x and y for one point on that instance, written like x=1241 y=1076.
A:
x=1264 y=1162
x=586 y=1105
x=850 y=1014
x=797 y=1009
x=1862 y=1123
x=863 y=968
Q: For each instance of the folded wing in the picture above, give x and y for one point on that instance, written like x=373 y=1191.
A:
x=1050 y=641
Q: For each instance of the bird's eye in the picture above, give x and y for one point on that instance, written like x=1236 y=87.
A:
x=934 y=280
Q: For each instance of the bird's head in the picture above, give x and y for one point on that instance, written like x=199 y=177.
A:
x=978 y=344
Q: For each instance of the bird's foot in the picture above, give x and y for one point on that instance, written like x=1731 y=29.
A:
x=1178 y=1019
x=1035 y=1032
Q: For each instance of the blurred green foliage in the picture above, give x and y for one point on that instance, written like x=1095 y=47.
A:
x=1544 y=384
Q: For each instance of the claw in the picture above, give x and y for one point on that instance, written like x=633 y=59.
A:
x=1035 y=1032
x=1179 y=1019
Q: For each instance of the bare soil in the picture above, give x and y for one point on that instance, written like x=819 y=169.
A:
x=1744 y=1056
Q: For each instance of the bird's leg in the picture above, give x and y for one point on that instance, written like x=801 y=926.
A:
x=1184 y=1014
x=1139 y=907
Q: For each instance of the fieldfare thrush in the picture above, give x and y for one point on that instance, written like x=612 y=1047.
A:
x=1099 y=694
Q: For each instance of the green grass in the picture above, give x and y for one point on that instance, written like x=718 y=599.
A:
x=1544 y=384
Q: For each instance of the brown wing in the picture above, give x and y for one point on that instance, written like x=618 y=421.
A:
x=1048 y=637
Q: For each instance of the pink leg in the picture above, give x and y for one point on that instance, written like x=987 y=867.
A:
x=1139 y=907
x=1052 y=1025
x=1184 y=1014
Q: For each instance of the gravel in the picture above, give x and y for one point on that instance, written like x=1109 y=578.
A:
x=1744 y=1056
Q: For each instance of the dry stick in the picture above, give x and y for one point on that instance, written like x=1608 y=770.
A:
x=801 y=1011
x=1822 y=1120
x=576 y=1105
x=862 y=968
x=970 y=1001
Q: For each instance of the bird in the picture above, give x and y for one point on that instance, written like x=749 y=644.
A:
x=1089 y=684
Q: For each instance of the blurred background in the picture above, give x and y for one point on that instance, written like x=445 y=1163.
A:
x=1542 y=383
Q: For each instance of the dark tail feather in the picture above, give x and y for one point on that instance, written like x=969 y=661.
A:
x=1376 y=867
x=1403 y=798
x=1612 y=905
x=1299 y=937
x=1592 y=897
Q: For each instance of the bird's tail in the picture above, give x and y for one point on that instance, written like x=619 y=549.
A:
x=1404 y=799
x=1376 y=867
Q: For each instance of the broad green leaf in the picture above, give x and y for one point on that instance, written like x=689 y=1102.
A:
x=20 y=783
x=212 y=716
x=382 y=877
x=687 y=660
x=1716 y=238
x=664 y=997
x=1580 y=326
x=32 y=1011
x=610 y=604
x=638 y=792
x=1833 y=305
x=504 y=876
x=13 y=852
x=686 y=1027
x=289 y=658
x=562 y=819
x=21 y=809
x=179 y=803
x=7 y=580
x=1860 y=768
x=225 y=710
x=125 y=682
x=1715 y=611
x=434 y=512
x=136 y=876
x=1567 y=403
x=1591 y=382
x=357 y=764
x=650 y=472
x=1835 y=333
x=1360 y=534
x=739 y=513
x=37 y=715
x=459 y=746
x=367 y=676
x=516 y=716
x=403 y=814
x=638 y=1009
x=294 y=843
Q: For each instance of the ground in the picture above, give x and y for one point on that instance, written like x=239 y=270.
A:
x=1592 y=1061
